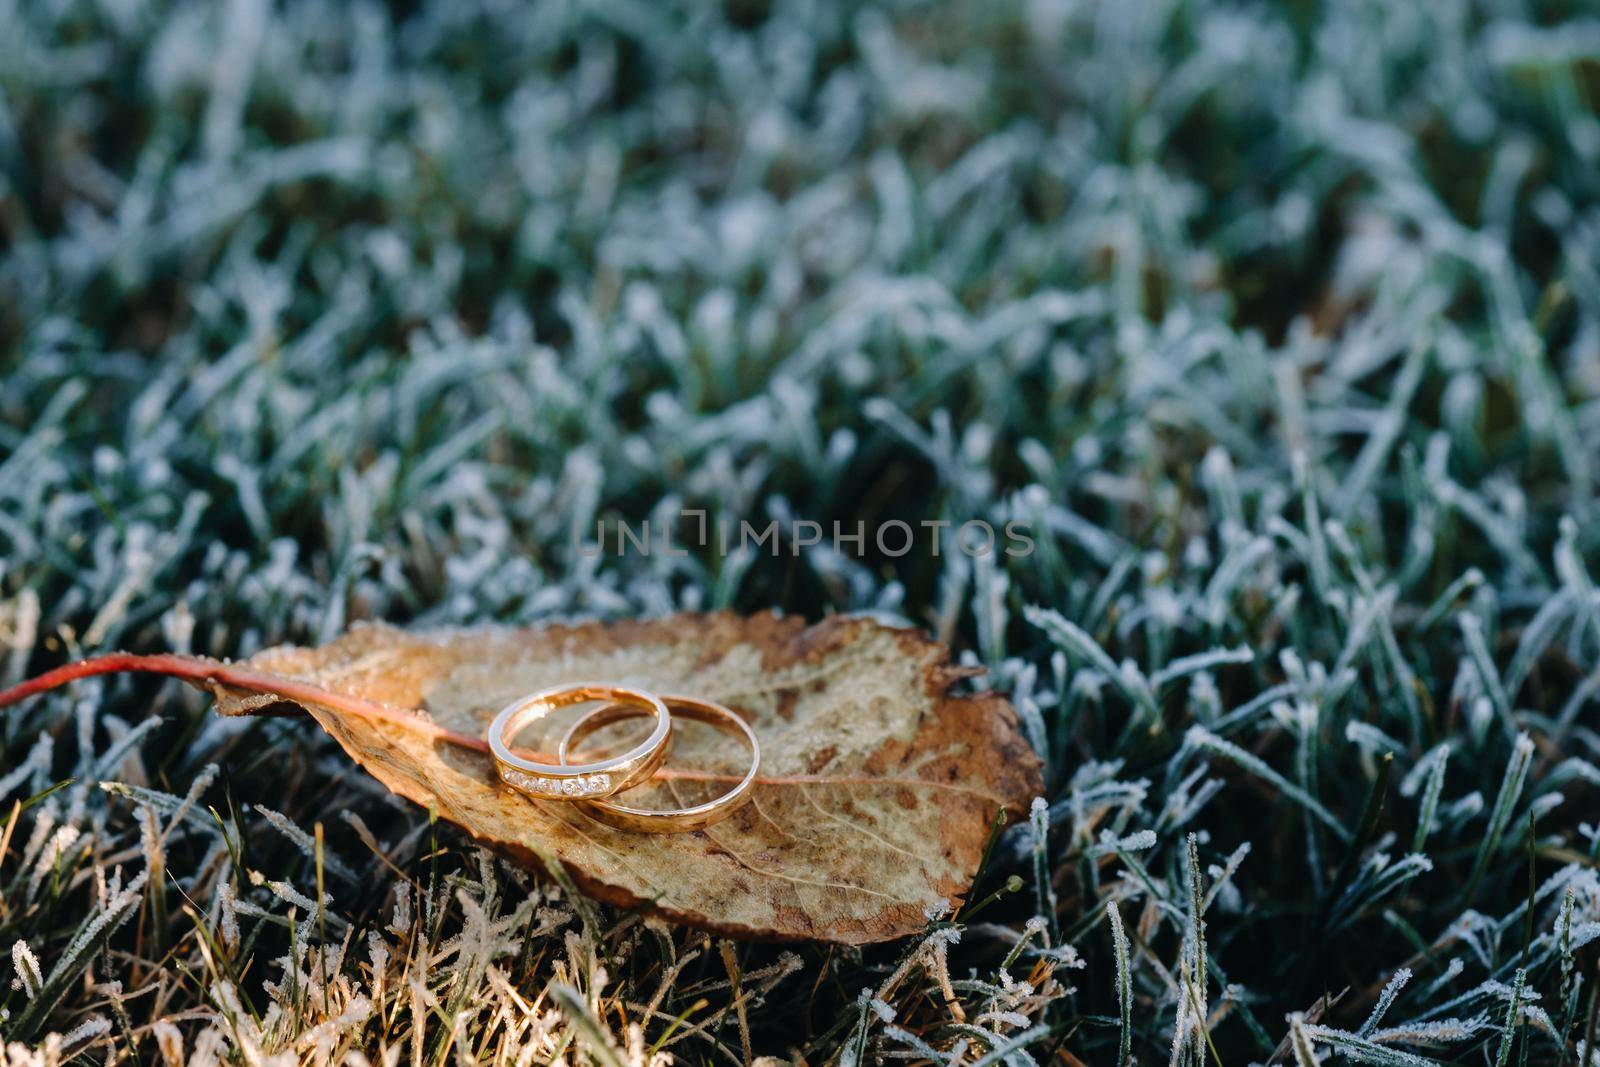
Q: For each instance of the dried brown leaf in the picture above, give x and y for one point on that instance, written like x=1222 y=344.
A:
x=878 y=787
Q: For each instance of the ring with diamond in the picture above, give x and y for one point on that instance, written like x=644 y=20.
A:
x=667 y=820
x=585 y=781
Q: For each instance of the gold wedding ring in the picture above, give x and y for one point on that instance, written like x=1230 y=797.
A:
x=585 y=781
x=669 y=820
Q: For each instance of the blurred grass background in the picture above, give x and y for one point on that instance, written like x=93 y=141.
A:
x=1279 y=322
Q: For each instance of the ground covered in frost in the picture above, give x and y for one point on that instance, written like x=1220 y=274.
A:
x=1280 y=324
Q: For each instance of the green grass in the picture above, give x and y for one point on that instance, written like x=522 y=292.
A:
x=1280 y=324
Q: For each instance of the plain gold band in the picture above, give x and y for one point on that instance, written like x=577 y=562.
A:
x=668 y=820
